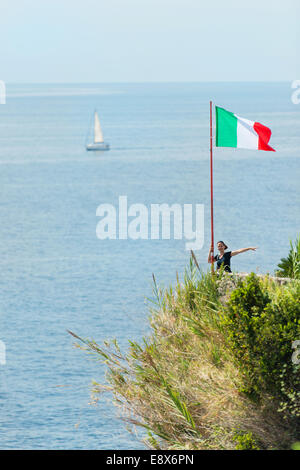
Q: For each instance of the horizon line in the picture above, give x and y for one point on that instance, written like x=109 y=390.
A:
x=144 y=82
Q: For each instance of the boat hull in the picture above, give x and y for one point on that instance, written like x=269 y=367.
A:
x=99 y=146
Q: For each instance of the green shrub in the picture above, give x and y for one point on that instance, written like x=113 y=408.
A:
x=262 y=321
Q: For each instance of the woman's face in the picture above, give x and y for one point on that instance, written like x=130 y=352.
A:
x=221 y=246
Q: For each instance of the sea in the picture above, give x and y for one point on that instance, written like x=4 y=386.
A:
x=57 y=275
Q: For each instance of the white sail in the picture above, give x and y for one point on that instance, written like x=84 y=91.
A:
x=98 y=136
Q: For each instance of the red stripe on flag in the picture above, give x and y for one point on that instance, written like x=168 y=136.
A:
x=264 y=135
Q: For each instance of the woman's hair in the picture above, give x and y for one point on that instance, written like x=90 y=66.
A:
x=223 y=244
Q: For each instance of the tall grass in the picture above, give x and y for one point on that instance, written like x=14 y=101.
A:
x=182 y=384
x=290 y=266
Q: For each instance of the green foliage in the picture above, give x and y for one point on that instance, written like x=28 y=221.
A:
x=245 y=441
x=290 y=391
x=261 y=323
x=296 y=446
x=290 y=266
x=216 y=372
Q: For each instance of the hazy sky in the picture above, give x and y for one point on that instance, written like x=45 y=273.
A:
x=148 y=40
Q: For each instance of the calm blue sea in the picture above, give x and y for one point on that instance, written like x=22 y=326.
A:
x=55 y=273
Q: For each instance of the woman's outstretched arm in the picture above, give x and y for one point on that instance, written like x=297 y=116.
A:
x=242 y=250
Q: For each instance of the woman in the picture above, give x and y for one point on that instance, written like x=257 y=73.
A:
x=223 y=259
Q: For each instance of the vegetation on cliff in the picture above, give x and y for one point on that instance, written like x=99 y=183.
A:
x=290 y=266
x=217 y=371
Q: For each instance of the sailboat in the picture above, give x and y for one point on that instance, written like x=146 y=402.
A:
x=98 y=143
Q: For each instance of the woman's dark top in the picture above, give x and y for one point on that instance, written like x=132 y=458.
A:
x=225 y=261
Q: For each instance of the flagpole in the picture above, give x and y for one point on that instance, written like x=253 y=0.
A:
x=211 y=192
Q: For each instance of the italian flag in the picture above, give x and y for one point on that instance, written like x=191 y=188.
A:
x=234 y=131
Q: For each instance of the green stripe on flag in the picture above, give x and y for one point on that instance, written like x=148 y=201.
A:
x=226 y=128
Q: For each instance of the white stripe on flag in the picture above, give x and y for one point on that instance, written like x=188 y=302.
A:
x=247 y=138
